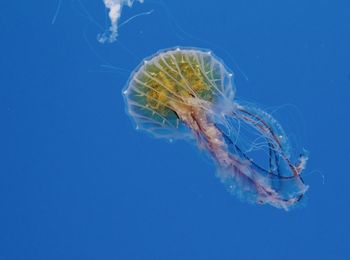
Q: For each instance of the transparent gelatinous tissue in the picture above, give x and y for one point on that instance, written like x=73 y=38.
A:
x=188 y=93
x=114 y=12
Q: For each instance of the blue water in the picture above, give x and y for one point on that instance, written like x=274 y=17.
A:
x=78 y=182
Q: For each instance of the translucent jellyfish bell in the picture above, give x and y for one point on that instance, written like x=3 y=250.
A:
x=188 y=93
x=172 y=80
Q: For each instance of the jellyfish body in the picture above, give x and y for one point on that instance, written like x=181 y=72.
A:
x=188 y=93
x=115 y=9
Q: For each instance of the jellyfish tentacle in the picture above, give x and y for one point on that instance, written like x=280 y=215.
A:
x=230 y=164
x=274 y=140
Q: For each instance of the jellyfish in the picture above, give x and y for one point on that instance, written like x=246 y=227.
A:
x=115 y=9
x=188 y=93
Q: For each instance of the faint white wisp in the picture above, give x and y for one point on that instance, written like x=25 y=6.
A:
x=114 y=12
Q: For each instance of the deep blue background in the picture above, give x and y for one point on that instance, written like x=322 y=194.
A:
x=78 y=182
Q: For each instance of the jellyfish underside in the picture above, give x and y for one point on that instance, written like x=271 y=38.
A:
x=188 y=93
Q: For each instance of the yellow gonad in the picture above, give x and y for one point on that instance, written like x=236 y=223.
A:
x=188 y=93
